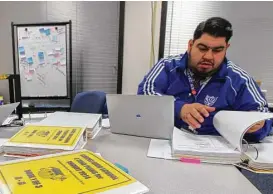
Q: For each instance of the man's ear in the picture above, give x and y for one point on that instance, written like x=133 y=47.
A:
x=228 y=45
x=190 y=43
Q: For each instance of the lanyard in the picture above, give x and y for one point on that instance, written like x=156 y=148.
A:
x=193 y=90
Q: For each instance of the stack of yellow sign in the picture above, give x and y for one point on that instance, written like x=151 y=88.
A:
x=36 y=140
x=69 y=172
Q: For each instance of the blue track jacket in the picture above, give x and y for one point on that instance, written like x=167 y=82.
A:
x=231 y=88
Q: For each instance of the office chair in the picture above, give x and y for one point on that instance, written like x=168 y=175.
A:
x=89 y=102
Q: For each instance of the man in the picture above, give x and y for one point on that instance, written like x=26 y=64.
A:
x=203 y=81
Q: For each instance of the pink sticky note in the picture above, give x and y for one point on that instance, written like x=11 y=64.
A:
x=31 y=71
x=190 y=160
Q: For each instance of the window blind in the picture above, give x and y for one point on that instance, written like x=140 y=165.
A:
x=251 y=42
x=95 y=33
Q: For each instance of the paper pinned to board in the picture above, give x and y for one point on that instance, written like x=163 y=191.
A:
x=50 y=53
x=42 y=30
x=63 y=62
x=21 y=50
x=55 y=38
x=233 y=125
x=30 y=60
x=41 y=57
x=47 y=32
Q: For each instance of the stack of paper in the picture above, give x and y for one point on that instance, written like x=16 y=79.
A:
x=36 y=140
x=225 y=149
x=69 y=172
x=93 y=122
x=205 y=148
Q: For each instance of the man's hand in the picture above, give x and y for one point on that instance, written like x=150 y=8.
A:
x=193 y=114
x=256 y=127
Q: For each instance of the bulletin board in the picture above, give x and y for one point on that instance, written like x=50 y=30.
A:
x=42 y=59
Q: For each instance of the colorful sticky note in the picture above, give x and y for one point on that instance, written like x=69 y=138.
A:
x=47 y=32
x=62 y=50
x=190 y=160
x=54 y=61
x=63 y=62
x=42 y=30
x=41 y=57
x=54 y=38
x=31 y=71
x=21 y=50
x=30 y=60
x=56 y=55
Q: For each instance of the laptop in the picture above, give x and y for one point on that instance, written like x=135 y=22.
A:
x=6 y=110
x=139 y=115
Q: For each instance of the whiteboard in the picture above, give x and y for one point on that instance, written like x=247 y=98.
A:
x=42 y=60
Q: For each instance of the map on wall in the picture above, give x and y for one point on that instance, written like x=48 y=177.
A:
x=42 y=60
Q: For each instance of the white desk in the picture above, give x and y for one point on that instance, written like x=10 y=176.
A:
x=163 y=176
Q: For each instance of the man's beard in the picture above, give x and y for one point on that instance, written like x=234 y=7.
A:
x=198 y=73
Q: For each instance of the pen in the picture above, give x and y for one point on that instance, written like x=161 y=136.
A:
x=193 y=130
x=189 y=130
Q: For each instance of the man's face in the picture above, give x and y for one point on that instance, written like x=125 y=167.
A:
x=207 y=53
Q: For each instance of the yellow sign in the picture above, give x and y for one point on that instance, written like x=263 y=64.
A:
x=81 y=172
x=48 y=135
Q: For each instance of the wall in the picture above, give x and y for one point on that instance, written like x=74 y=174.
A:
x=17 y=12
x=137 y=43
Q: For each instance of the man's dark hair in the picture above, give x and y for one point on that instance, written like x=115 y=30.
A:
x=215 y=26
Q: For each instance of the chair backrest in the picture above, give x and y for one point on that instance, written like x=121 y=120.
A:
x=89 y=102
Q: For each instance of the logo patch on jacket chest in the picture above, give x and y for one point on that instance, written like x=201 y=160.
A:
x=210 y=100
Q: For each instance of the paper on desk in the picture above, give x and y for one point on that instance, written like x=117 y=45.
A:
x=160 y=149
x=200 y=143
x=106 y=123
x=2 y=141
x=232 y=125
